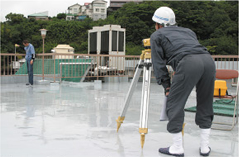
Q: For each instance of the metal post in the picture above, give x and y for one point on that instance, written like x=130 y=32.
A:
x=15 y=64
x=43 y=34
x=1 y=65
x=60 y=71
x=15 y=54
x=43 y=58
x=54 y=68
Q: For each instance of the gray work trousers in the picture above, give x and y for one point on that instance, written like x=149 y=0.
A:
x=192 y=70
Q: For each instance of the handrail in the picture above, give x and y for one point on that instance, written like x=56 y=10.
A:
x=94 y=55
x=125 y=64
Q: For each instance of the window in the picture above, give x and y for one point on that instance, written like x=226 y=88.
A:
x=97 y=10
x=75 y=10
x=102 y=10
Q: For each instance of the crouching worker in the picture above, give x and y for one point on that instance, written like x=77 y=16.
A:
x=193 y=66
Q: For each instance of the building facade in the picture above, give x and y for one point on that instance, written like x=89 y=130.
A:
x=86 y=10
x=74 y=9
x=95 y=10
x=99 y=10
x=116 y=4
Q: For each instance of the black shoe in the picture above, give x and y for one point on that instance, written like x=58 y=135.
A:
x=27 y=84
x=205 y=154
x=166 y=151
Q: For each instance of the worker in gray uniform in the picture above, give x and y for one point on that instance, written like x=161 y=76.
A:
x=193 y=66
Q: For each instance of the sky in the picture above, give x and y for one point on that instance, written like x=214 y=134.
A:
x=27 y=7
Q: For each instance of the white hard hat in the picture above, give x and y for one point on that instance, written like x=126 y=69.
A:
x=164 y=15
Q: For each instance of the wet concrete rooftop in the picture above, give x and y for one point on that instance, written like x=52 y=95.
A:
x=79 y=120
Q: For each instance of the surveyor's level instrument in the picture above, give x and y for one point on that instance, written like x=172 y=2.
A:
x=144 y=64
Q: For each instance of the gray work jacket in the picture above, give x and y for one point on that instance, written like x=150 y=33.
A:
x=168 y=46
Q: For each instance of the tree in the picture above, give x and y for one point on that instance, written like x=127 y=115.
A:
x=215 y=23
x=61 y=16
x=15 y=18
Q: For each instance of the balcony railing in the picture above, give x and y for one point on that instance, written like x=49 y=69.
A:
x=80 y=67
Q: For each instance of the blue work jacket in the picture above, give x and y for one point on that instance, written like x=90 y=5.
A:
x=30 y=52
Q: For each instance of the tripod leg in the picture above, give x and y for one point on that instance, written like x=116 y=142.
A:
x=129 y=95
x=143 y=127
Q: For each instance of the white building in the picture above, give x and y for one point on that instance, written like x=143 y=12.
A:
x=74 y=9
x=95 y=10
x=86 y=9
x=99 y=10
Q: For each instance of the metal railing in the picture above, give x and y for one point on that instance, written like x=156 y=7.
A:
x=79 y=67
x=226 y=61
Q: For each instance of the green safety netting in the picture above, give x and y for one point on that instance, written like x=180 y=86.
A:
x=220 y=107
x=69 y=69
